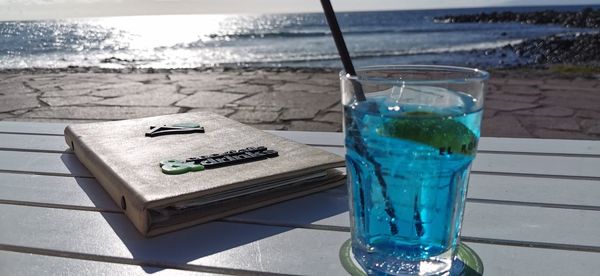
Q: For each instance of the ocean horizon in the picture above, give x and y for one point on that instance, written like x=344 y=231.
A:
x=269 y=40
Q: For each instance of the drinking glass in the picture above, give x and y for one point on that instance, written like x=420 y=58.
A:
x=409 y=148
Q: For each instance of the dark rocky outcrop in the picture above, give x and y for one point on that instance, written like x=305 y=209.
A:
x=586 y=18
x=579 y=48
x=572 y=49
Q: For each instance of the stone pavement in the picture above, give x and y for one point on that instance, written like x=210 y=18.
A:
x=540 y=105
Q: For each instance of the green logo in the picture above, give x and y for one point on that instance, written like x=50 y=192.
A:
x=179 y=167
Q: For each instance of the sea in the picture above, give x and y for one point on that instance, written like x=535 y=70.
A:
x=268 y=40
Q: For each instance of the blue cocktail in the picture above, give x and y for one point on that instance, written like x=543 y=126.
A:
x=409 y=150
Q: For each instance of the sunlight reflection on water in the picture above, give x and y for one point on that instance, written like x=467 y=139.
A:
x=187 y=41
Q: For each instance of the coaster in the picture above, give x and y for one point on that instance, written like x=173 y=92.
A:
x=466 y=262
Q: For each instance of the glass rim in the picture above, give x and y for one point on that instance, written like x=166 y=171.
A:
x=471 y=75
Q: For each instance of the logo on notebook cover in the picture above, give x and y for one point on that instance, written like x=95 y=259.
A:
x=232 y=157
x=183 y=128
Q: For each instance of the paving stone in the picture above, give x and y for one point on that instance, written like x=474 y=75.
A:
x=262 y=81
x=524 y=82
x=489 y=113
x=579 y=103
x=222 y=111
x=302 y=87
x=57 y=92
x=51 y=85
x=550 y=111
x=260 y=108
x=570 y=87
x=79 y=85
x=16 y=88
x=152 y=98
x=314 y=126
x=332 y=117
x=550 y=123
x=336 y=108
x=508 y=106
x=191 y=76
x=234 y=78
x=208 y=99
x=203 y=86
x=187 y=91
x=558 y=81
x=73 y=100
x=89 y=78
x=99 y=112
x=578 y=82
x=255 y=117
x=143 y=78
x=588 y=114
x=247 y=89
x=496 y=81
x=594 y=130
x=594 y=96
x=130 y=88
x=292 y=100
x=288 y=76
x=324 y=80
x=503 y=126
x=512 y=98
x=4 y=116
x=269 y=126
x=520 y=90
x=298 y=114
x=15 y=102
x=555 y=134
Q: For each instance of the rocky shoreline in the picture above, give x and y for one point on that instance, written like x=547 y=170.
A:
x=586 y=18
x=578 y=48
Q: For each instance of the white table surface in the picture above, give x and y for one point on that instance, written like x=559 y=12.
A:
x=533 y=209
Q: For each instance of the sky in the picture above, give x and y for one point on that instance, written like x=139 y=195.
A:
x=52 y=9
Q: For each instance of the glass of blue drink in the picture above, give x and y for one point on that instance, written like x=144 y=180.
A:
x=409 y=148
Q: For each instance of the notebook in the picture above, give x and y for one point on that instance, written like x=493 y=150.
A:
x=175 y=171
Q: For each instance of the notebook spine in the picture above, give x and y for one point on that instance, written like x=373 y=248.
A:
x=123 y=196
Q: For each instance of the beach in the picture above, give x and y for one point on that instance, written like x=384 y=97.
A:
x=555 y=102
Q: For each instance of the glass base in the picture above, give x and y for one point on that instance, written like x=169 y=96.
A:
x=465 y=263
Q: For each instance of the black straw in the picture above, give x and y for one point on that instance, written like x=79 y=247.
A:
x=341 y=47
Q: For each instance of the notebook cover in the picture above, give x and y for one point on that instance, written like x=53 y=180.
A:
x=126 y=163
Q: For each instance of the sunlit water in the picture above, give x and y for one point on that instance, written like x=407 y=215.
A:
x=186 y=41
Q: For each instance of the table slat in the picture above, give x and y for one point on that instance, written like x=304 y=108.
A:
x=58 y=190
x=239 y=246
x=217 y=244
x=489 y=221
x=510 y=260
x=25 y=264
x=33 y=142
x=33 y=127
x=575 y=192
x=42 y=162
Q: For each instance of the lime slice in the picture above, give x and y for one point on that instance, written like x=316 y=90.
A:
x=445 y=134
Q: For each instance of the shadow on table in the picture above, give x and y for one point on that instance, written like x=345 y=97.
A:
x=181 y=247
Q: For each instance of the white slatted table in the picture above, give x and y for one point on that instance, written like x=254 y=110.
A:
x=533 y=209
